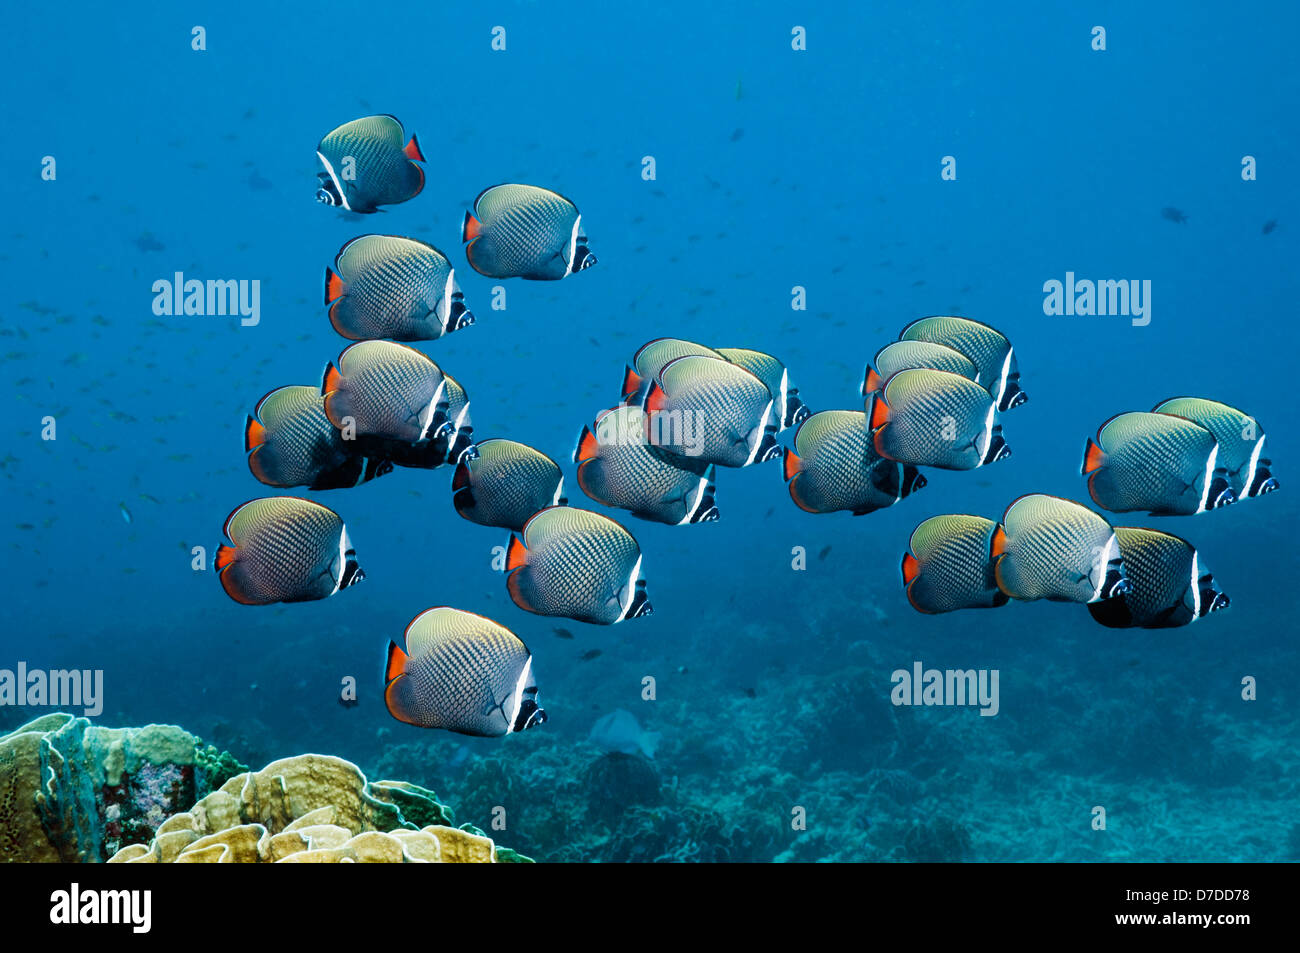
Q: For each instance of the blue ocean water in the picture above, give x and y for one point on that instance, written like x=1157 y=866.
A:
x=774 y=168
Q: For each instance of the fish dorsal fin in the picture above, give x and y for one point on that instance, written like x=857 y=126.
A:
x=370 y=251
x=825 y=425
x=938 y=327
x=558 y=522
x=441 y=624
x=1130 y=537
x=644 y=348
x=658 y=353
x=279 y=405
x=1163 y=406
x=429 y=628
x=915 y=383
x=682 y=371
x=497 y=199
x=930 y=534
x=763 y=366
x=247 y=516
x=365 y=355
x=384 y=127
x=546 y=522
x=457 y=396
x=358 y=254
x=901 y=355
x=1027 y=511
x=1139 y=425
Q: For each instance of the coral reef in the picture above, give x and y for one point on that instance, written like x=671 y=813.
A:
x=73 y=791
x=314 y=809
x=938 y=839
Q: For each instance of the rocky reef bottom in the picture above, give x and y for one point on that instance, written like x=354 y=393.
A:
x=75 y=792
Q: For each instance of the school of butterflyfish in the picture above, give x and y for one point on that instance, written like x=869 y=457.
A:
x=933 y=399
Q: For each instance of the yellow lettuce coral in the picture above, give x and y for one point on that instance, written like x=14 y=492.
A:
x=72 y=791
x=310 y=809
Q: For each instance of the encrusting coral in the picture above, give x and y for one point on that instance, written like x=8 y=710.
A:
x=315 y=809
x=71 y=791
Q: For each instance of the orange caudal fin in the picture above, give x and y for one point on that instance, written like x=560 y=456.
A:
x=871 y=382
x=333 y=286
x=396 y=664
x=330 y=379
x=254 y=434
x=516 y=553
x=631 y=382
x=878 y=413
x=412 y=149
x=655 y=399
x=911 y=568
x=1093 y=457
x=790 y=463
x=471 y=228
x=225 y=556
x=998 y=576
x=998 y=545
x=397 y=686
x=587 y=447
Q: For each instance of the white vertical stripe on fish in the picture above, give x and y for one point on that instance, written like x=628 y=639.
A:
x=518 y=701
x=1002 y=380
x=432 y=410
x=1209 y=474
x=631 y=589
x=573 y=243
x=1254 y=465
x=335 y=179
x=1099 y=567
